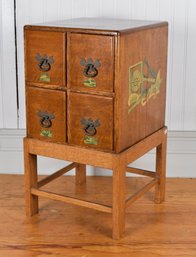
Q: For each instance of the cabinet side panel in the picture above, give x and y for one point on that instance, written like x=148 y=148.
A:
x=156 y=97
x=131 y=120
x=141 y=84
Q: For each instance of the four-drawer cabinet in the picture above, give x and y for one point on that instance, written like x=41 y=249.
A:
x=97 y=83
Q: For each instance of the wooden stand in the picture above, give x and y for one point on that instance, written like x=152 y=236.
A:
x=80 y=157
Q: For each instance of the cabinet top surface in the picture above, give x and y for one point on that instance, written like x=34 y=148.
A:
x=101 y=24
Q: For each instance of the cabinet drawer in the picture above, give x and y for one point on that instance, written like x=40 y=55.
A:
x=90 y=121
x=46 y=114
x=91 y=62
x=45 y=57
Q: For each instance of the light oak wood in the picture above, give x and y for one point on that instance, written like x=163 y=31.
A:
x=161 y=170
x=142 y=191
x=118 y=165
x=118 y=196
x=70 y=153
x=166 y=230
x=145 y=145
x=91 y=156
x=141 y=172
x=56 y=174
x=30 y=170
x=71 y=200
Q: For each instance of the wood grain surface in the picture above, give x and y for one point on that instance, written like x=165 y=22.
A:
x=98 y=24
x=63 y=230
x=129 y=67
x=144 y=52
x=85 y=106
x=101 y=48
x=45 y=43
x=46 y=101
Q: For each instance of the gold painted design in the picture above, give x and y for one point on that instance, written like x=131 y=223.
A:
x=144 y=83
x=44 y=77
x=46 y=133
x=90 y=140
x=89 y=83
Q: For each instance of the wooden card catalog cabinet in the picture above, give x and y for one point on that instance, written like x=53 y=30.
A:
x=95 y=95
x=95 y=83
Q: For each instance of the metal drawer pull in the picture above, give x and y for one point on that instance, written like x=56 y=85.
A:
x=90 y=126
x=44 y=63
x=90 y=70
x=46 y=118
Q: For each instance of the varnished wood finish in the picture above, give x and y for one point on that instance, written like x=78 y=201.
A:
x=117 y=45
x=142 y=191
x=166 y=230
x=97 y=25
x=141 y=172
x=71 y=200
x=50 y=44
x=94 y=107
x=92 y=156
x=118 y=196
x=53 y=102
x=161 y=170
x=145 y=118
x=81 y=46
x=57 y=174
x=108 y=120
x=116 y=162
x=80 y=174
x=157 y=50
x=30 y=171
x=68 y=152
x=145 y=145
x=47 y=86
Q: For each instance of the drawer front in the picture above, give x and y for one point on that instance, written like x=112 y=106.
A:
x=45 y=57
x=46 y=114
x=90 y=121
x=91 y=62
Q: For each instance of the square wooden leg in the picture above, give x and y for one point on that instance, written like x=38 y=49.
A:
x=118 y=202
x=30 y=172
x=80 y=174
x=161 y=171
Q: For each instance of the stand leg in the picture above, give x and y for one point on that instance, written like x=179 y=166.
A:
x=161 y=171
x=118 y=202
x=80 y=174
x=30 y=165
